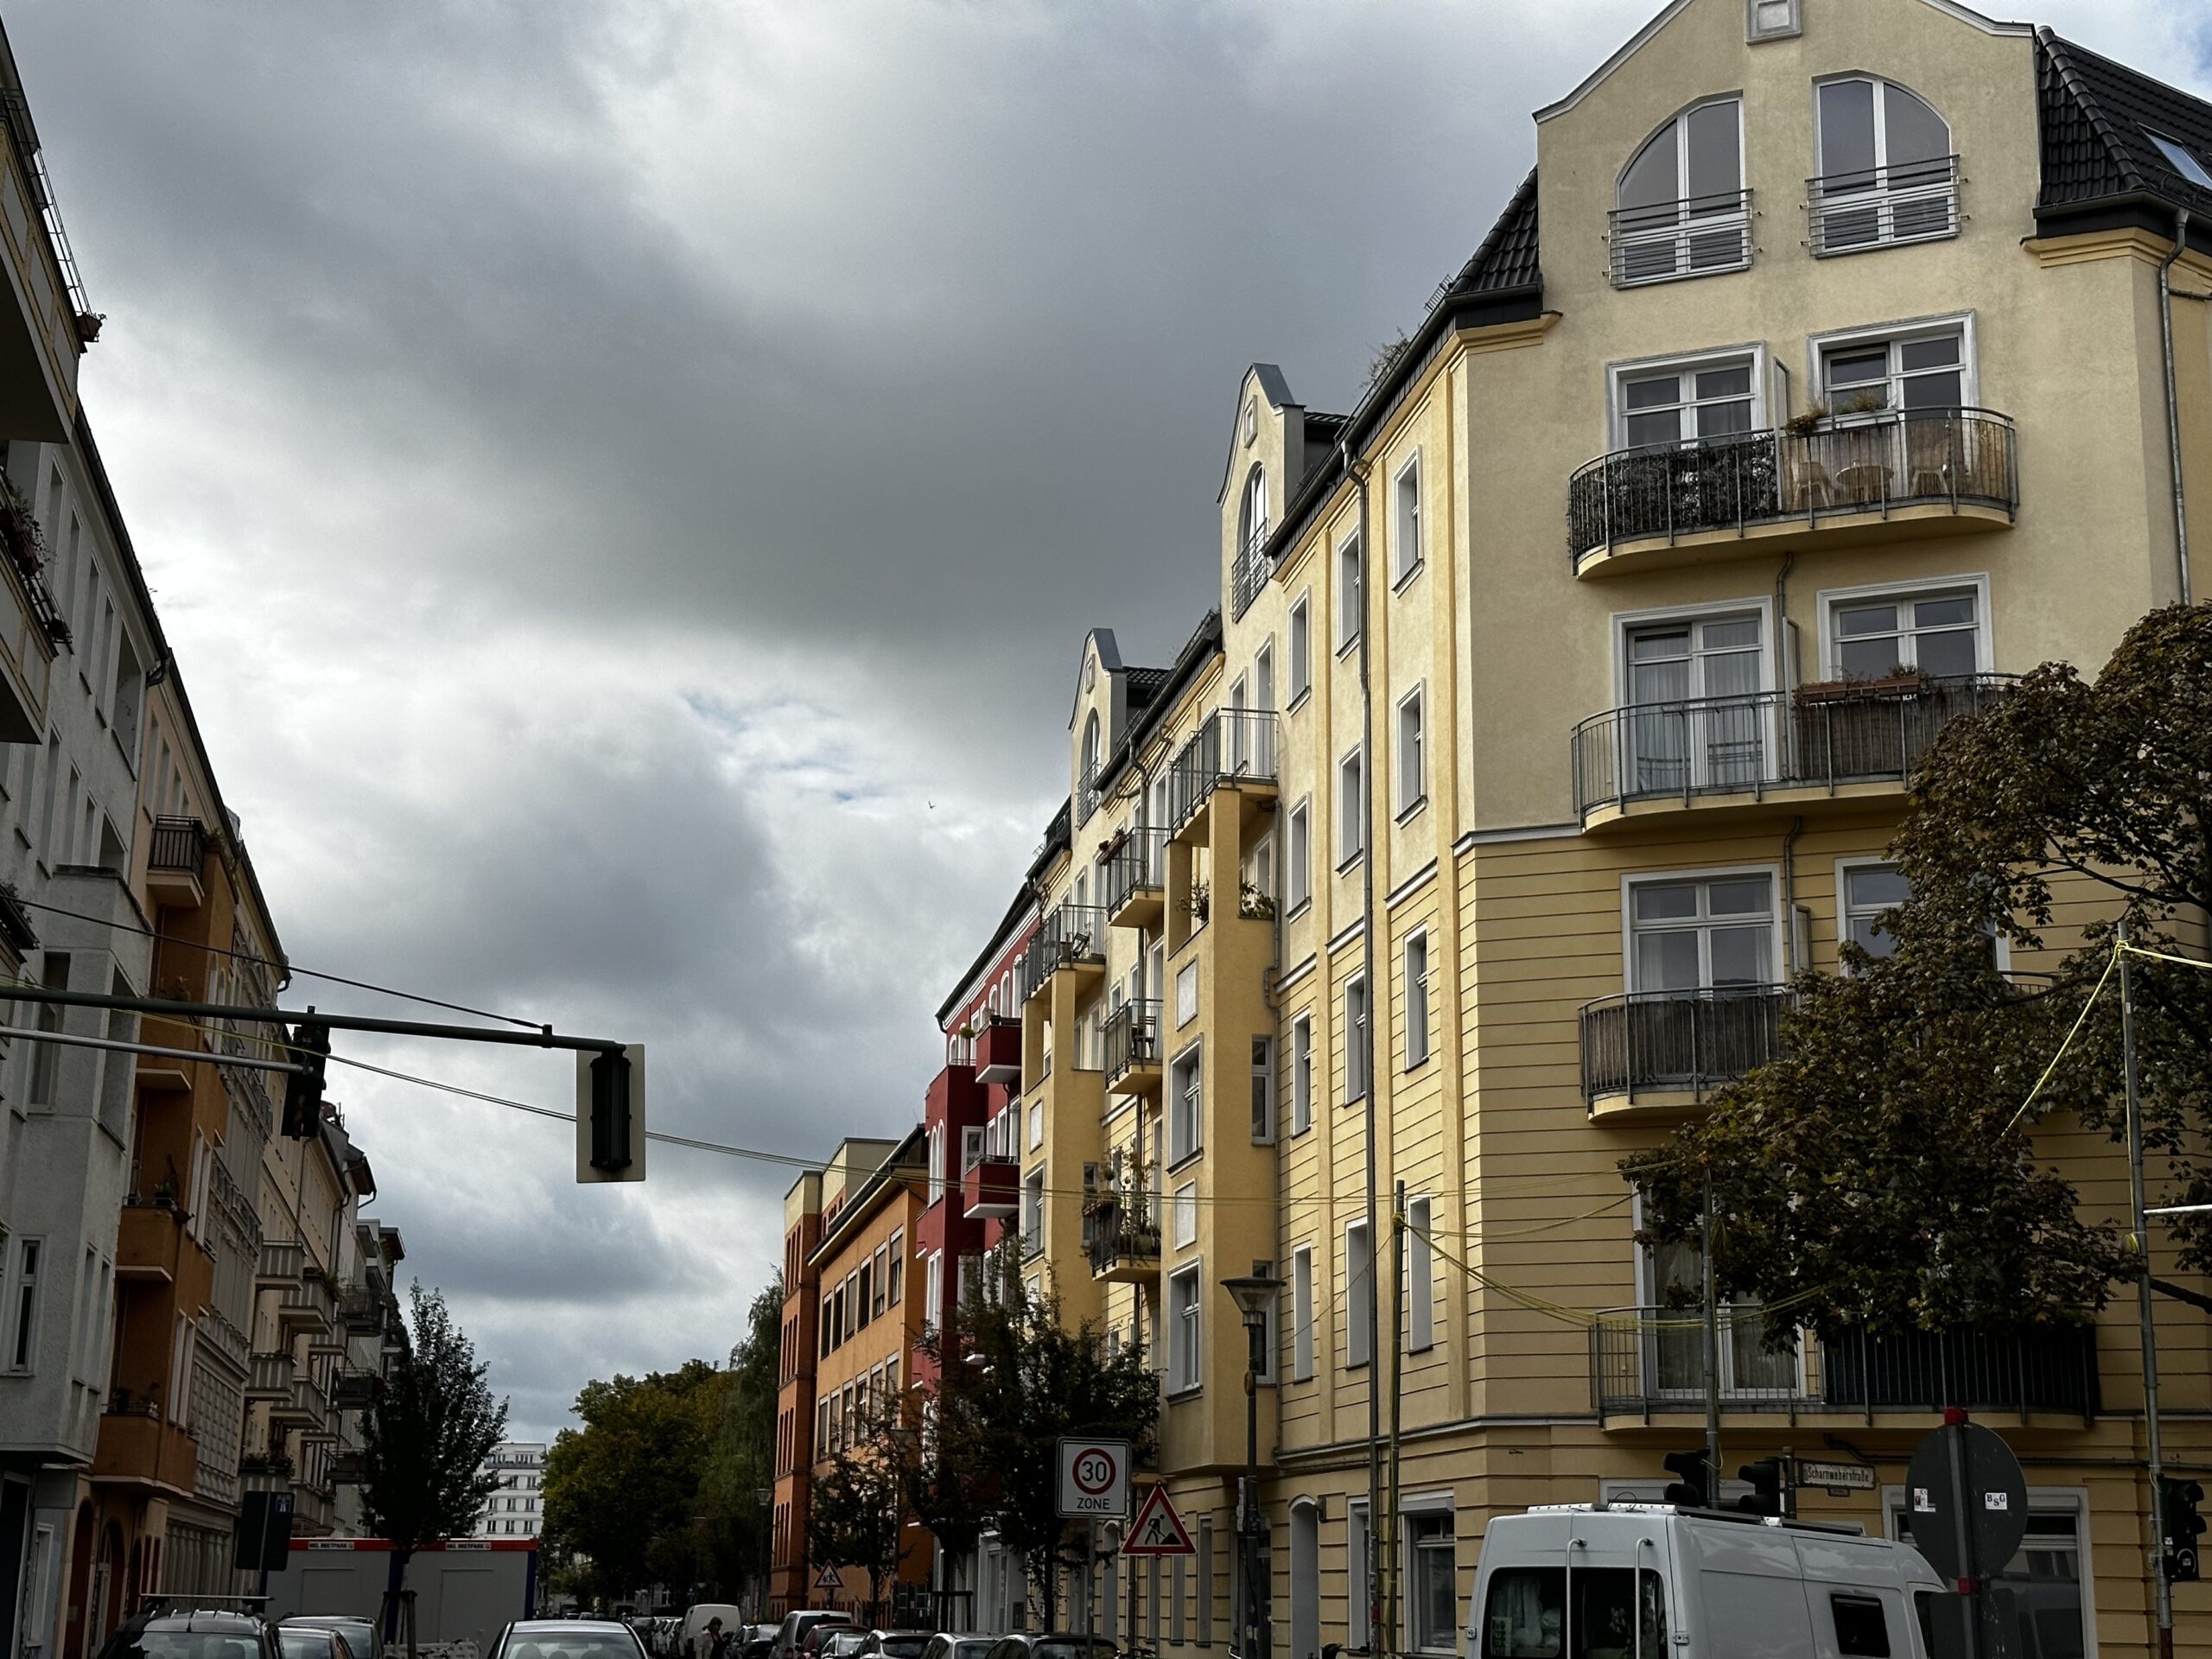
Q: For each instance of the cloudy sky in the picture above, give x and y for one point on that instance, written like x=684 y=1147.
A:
x=626 y=481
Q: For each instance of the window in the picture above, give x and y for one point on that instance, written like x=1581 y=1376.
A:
x=1301 y=647
x=45 y=1057
x=1886 y=171
x=1683 y=209
x=22 y=1327
x=1270 y=1329
x=1405 y=522
x=1352 y=808
x=1935 y=633
x=1772 y=20
x=1431 y=1582
x=1186 y=1107
x=937 y=1161
x=2181 y=158
x=1416 y=1000
x=1301 y=1313
x=1205 y=1580
x=1674 y=1276
x=1298 y=876
x=1695 y=718
x=1860 y=1630
x=1037 y=1111
x=1869 y=890
x=1350 y=604
x=1413 y=770
x=1263 y=1091
x=1360 y=1273
x=894 y=1271
x=1359 y=1573
x=1301 y=1074
x=1527 y=1611
x=1921 y=371
x=1184 y=1291
x=2046 y=1574
x=1355 y=1040
x=1702 y=933
x=1186 y=992
x=1033 y=1213
x=1420 y=1278
x=1661 y=407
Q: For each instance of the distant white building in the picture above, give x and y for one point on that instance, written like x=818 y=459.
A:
x=517 y=1510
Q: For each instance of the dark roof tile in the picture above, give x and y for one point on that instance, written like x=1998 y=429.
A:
x=2097 y=117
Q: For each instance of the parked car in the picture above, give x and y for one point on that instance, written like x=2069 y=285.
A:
x=896 y=1644
x=697 y=1617
x=840 y=1642
x=567 y=1638
x=310 y=1642
x=800 y=1624
x=1053 y=1644
x=955 y=1645
x=363 y=1639
x=179 y=1633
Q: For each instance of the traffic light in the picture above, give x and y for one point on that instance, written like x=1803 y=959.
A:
x=611 y=1114
x=303 y=1088
x=1693 y=1484
x=2180 y=1525
x=1769 y=1494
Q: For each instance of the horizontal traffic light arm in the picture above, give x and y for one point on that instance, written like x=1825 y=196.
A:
x=70 y=1040
x=543 y=1037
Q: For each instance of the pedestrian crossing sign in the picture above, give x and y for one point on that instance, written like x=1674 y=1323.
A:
x=1158 y=1530
x=827 y=1580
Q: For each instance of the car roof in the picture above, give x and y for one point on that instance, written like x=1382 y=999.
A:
x=531 y=1626
x=200 y=1618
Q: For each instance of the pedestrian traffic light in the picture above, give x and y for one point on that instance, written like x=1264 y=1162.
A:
x=311 y=1049
x=1693 y=1484
x=611 y=1114
x=2181 y=1526
x=1769 y=1494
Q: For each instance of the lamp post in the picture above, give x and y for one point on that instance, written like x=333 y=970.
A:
x=766 y=1497
x=1255 y=1296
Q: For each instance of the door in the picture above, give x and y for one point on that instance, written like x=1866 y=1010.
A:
x=1697 y=718
x=1305 y=1581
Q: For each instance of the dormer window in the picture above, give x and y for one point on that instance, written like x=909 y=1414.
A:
x=1683 y=210
x=2180 y=157
x=1887 y=173
x=1251 y=420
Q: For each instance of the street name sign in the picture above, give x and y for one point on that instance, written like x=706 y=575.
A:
x=1840 y=1478
x=1094 y=1477
x=1158 y=1530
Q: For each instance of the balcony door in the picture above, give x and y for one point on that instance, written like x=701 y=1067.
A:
x=1696 y=720
x=1675 y=1345
x=1702 y=933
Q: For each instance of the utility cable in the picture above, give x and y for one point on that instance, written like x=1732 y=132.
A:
x=2081 y=1020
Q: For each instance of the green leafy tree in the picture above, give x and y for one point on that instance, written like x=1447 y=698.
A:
x=1880 y=1171
x=424 y=1441
x=741 y=1462
x=856 y=1510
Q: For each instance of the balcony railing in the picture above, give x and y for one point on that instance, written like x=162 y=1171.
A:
x=1137 y=864
x=1875 y=207
x=1645 y=1360
x=1698 y=236
x=1086 y=795
x=1817 y=736
x=1132 y=1038
x=1672 y=1042
x=1232 y=746
x=1071 y=934
x=1854 y=464
x=1249 y=575
x=361 y=1310
x=1123 y=1237
x=177 y=844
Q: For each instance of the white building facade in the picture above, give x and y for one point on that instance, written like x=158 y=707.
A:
x=517 y=1510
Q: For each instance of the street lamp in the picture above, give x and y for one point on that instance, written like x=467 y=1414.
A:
x=1255 y=1296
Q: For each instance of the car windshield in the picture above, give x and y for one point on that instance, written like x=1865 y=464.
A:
x=358 y=1636
x=903 y=1647
x=1073 y=1647
x=571 y=1644
x=970 y=1649
x=299 y=1642
x=184 y=1645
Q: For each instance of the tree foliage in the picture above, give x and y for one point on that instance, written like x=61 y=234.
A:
x=1880 y=1171
x=856 y=1509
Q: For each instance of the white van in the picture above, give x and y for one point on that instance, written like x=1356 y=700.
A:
x=1560 y=1581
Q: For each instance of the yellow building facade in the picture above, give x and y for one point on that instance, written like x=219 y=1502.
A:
x=1560 y=706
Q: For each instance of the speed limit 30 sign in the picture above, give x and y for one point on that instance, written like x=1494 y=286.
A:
x=1094 y=1477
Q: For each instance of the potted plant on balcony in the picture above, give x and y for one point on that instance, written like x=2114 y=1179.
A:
x=1805 y=424
x=1899 y=682
x=1198 y=904
x=1254 y=905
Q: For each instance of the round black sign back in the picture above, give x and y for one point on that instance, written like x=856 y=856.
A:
x=1994 y=1502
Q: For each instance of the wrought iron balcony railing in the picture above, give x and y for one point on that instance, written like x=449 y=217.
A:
x=178 y=844
x=1232 y=746
x=1672 y=1042
x=1821 y=736
x=1249 y=575
x=1121 y=1235
x=1853 y=464
x=1071 y=934
x=1876 y=207
x=1666 y=241
x=1137 y=864
x=1132 y=1038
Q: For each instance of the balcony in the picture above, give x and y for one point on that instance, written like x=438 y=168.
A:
x=1879 y=208
x=1648 y=1363
x=349 y=1469
x=1133 y=1049
x=1653 y=1053
x=1232 y=748
x=31 y=628
x=139 y=1446
x=1843 y=740
x=1135 y=877
x=991 y=1188
x=271 y=1377
x=352 y=1390
x=1124 y=1240
x=1086 y=795
x=279 y=1266
x=1668 y=241
x=1249 y=575
x=361 y=1312
x=1073 y=937
x=998 y=1051
x=1891 y=476
x=150 y=1242
x=176 y=857
x=43 y=333
x=17 y=937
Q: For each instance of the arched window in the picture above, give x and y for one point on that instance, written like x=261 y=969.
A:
x=1682 y=210
x=1887 y=173
x=1252 y=520
x=1087 y=777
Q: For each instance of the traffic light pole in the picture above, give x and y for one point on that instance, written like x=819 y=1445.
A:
x=2163 y=1584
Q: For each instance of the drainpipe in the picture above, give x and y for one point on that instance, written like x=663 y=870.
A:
x=1791 y=966
x=1378 y=1638
x=2173 y=408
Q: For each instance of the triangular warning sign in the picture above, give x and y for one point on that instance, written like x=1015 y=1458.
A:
x=827 y=1580
x=1158 y=1530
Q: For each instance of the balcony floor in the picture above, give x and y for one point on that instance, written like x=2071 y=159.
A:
x=1916 y=522
x=1746 y=803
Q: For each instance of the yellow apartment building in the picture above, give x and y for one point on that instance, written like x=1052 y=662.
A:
x=1561 y=704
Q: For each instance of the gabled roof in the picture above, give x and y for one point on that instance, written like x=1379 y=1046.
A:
x=1507 y=258
x=2097 y=117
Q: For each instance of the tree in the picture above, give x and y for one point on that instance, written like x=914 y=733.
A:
x=1880 y=1171
x=424 y=1441
x=741 y=1462
x=1011 y=1381
x=856 y=1510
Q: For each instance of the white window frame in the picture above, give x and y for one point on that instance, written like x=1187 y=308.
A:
x=1352 y=585
x=1885 y=189
x=1191 y=1143
x=1427 y=1504
x=1298 y=861
x=1406 y=526
x=1828 y=601
x=1187 y=1332
x=1183 y=1216
x=1617 y=374
x=2045 y=1500
x=1351 y=808
x=1359 y=1549
x=1265 y=1102
x=1301 y=1074
x=1356 y=1354
x=1680 y=121
x=1852 y=862
x=933 y=1289
x=1962 y=323
x=1626 y=623
x=1425 y=1003
x=1300 y=651
x=1301 y=1313
x=1421 y=1275
x=30 y=1331
x=1413 y=769
x=1778 y=923
x=1356 y=1051
x=1187 y=994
